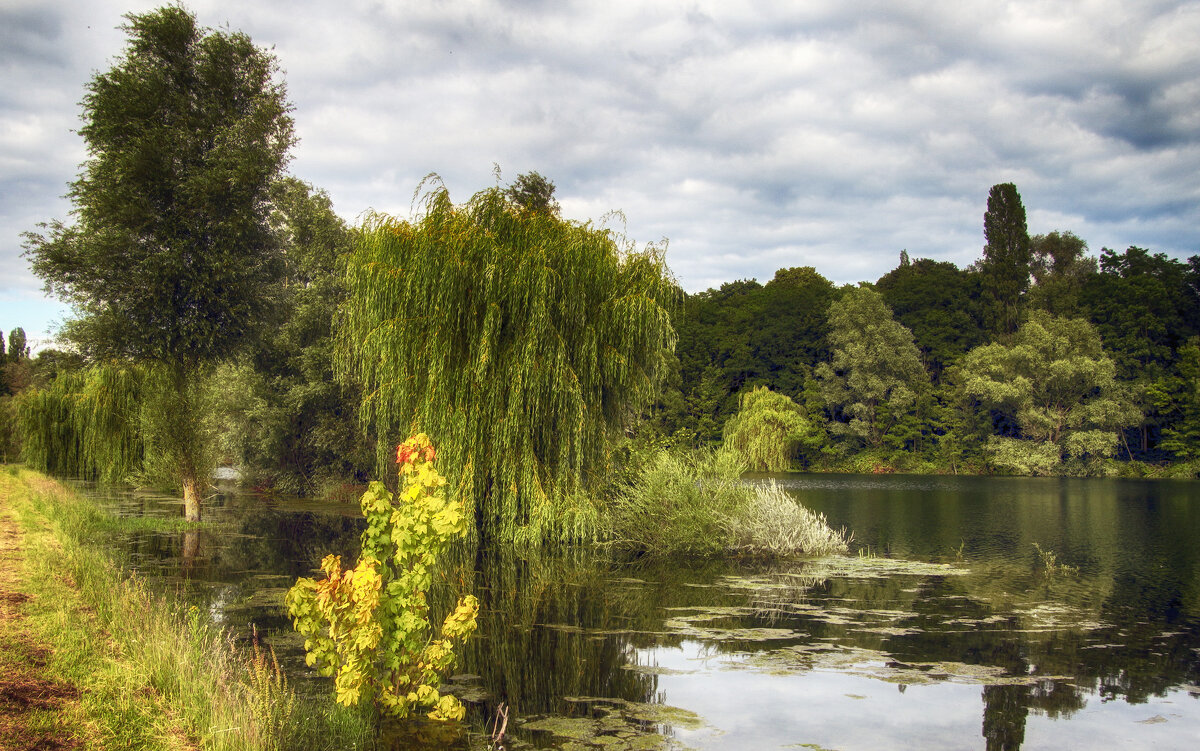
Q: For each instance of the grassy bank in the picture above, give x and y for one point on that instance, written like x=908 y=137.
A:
x=136 y=670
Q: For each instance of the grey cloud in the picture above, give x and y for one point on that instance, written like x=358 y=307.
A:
x=29 y=33
x=752 y=135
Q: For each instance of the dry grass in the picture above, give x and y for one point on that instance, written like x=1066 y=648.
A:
x=773 y=523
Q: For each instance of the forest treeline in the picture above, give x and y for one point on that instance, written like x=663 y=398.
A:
x=1039 y=358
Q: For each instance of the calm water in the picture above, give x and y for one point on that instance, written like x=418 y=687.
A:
x=947 y=632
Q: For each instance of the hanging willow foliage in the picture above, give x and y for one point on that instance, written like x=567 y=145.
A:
x=85 y=424
x=520 y=342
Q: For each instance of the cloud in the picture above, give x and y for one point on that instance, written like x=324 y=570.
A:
x=753 y=136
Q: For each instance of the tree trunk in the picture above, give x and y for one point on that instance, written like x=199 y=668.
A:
x=191 y=497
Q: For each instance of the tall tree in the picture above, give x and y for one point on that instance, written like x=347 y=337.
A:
x=170 y=251
x=875 y=377
x=18 y=350
x=1006 y=255
x=524 y=344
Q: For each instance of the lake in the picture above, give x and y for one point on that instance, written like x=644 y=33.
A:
x=989 y=613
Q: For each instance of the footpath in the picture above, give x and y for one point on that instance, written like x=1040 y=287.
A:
x=31 y=699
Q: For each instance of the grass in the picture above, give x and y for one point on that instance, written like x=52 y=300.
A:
x=149 y=674
x=772 y=523
x=696 y=504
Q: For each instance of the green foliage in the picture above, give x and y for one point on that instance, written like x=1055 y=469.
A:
x=178 y=427
x=695 y=504
x=1145 y=307
x=287 y=421
x=875 y=379
x=768 y=431
x=750 y=334
x=1057 y=384
x=1006 y=255
x=678 y=504
x=525 y=341
x=1177 y=398
x=369 y=627
x=533 y=192
x=170 y=253
x=171 y=250
x=85 y=423
x=18 y=350
x=1060 y=268
x=938 y=302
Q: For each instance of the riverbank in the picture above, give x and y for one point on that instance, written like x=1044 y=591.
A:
x=883 y=463
x=92 y=659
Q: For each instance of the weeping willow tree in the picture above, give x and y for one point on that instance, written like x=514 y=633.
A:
x=86 y=423
x=768 y=430
x=522 y=343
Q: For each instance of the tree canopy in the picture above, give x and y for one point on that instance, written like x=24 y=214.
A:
x=170 y=252
x=875 y=375
x=768 y=430
x=1056 y=382
x=170 y=248
x=523 y=342
x=1006 y=254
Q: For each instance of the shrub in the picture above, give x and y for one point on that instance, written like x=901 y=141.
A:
x=773 y=523
x=368 y=627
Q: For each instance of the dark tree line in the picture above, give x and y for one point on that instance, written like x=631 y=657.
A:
x=1144 y=307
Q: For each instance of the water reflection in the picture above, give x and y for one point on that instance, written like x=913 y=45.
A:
x=950 y=633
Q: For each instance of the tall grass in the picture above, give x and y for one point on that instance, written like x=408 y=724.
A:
x=773 y=523
x=155 y=674
x=696 y=504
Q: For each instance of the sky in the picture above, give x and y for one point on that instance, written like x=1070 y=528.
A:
x=751 y=136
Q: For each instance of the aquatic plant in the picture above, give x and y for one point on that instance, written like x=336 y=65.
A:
x=368 y=627
x=695 y=503
x=678 y=504
x=774 y=523
x=1050 y=564
x=523 y=341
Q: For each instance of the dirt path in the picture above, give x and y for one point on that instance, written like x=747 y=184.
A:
x=31 y=699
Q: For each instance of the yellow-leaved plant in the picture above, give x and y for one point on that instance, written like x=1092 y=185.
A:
x=368 y=627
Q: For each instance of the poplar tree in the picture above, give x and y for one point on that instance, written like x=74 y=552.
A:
x=169 y=250
x=521 y=343
x=1007 y=254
